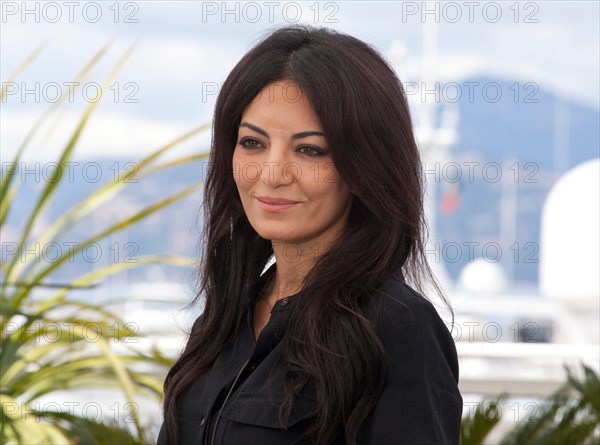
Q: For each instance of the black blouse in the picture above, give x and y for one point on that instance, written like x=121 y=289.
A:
x=420 y=403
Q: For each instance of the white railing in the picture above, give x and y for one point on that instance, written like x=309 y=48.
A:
x=520 y=369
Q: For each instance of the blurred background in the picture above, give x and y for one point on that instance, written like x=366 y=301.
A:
x=104 y=130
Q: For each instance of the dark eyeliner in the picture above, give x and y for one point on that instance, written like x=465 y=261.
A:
x=246 y=139
x=318 y=151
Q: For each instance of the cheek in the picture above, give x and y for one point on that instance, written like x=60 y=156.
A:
x=330 y=179
x=235 y=163
x=239 y=167
x=331 y=190
x=246 y=169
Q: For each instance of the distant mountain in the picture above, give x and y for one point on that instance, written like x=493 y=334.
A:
x=521 y=129
x=522 y=123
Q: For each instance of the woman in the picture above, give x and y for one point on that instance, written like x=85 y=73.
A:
x=314 y=162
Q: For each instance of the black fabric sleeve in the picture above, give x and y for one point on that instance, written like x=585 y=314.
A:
x=420 y=402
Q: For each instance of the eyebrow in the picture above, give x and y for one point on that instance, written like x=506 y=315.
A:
x=302 y=134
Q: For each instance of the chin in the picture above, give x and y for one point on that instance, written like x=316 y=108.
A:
x=279 y=234
x=276 y=236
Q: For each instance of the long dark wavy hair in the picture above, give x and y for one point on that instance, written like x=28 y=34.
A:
x=330 y=338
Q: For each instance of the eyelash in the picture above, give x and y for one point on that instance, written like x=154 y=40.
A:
x=317 y=151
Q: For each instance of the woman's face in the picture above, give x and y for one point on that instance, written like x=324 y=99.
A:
x=289 y=187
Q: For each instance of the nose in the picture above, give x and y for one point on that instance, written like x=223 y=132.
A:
x=277 y=167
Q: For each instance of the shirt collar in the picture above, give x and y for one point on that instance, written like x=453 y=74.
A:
x=252 y=290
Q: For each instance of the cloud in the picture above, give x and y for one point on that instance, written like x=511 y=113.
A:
x=108 y=135
x=551 y=54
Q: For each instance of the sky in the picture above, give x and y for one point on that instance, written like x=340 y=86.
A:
x=185 y=49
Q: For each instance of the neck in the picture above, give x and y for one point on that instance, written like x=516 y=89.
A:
x=294 y=262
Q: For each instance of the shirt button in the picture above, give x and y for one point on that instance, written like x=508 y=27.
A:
x=202 y=423
x=253 y=367
x=285 y=301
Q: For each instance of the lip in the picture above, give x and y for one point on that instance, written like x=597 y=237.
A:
x=270 y=204
x=275 y=201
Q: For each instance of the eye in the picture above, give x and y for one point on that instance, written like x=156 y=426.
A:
x=249 y=143
x=311 y=151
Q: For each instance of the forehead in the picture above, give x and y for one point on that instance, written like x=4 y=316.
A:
x=282 y=104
